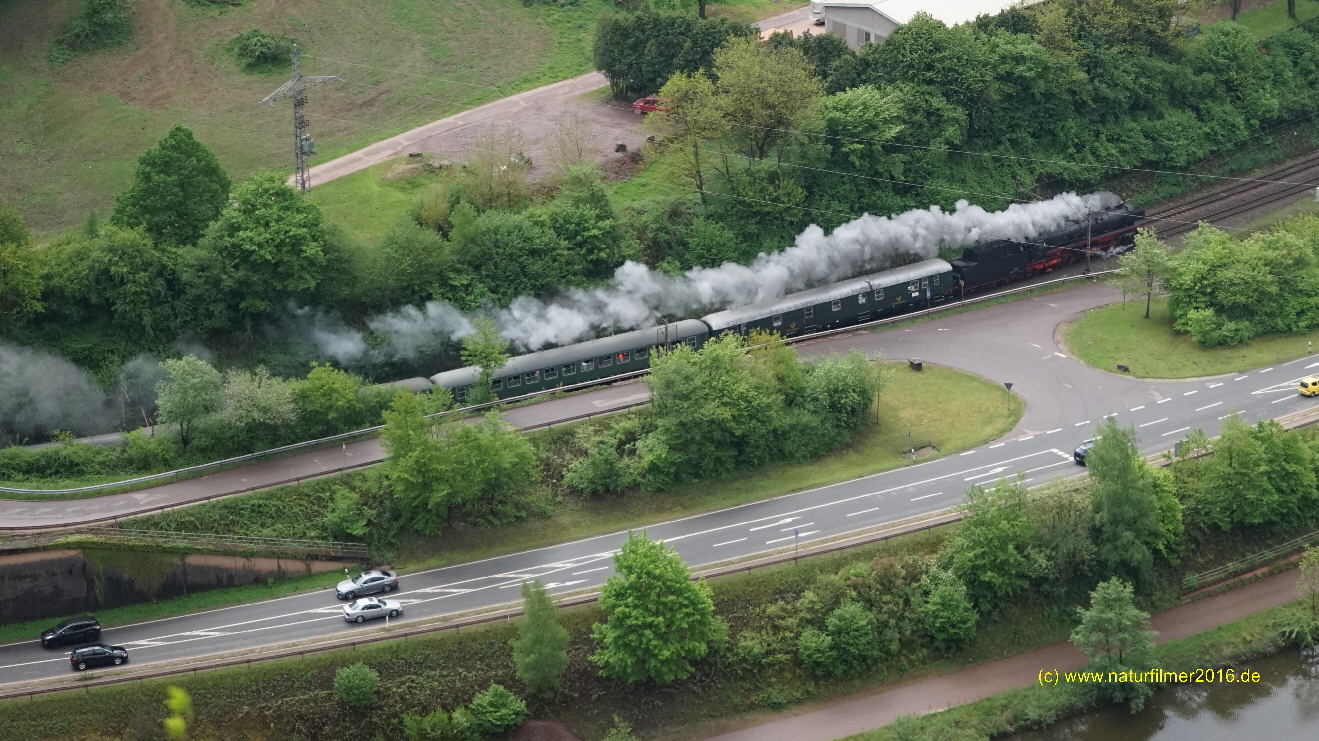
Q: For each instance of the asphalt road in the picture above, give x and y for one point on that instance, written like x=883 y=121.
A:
x=1008 y=342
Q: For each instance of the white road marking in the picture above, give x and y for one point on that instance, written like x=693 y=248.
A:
x=1136 y=409
x=1155 y=422
x=784 y=521
x=1078 y=424
x=1160 y=401
x=1239 y=378
x=969 y=452
x=1266 y=370
x=1000 y=469
x=1210 y=406
x=1060 y=355
x=1050 y=432
x=1215 y=385
x=558 y=584
x=1023 y=439
x=790 y=537
x=1032 y=344
x=797 y=527
x=1312 y=365
x=739 y=540
x=927 y=496
x=590 y=571
x=1193 y=391
x=1174 y=432
x=1285 y=398
x=862 y=512
x=1225 y=416
x=991 y=447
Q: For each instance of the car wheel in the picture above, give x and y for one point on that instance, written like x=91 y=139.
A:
x=388 y=588
x=359 y=619
x=118 y=660
x=393 y=613
x=350 y=596
x=82 y=665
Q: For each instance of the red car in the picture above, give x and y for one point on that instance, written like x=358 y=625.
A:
x=649 y=104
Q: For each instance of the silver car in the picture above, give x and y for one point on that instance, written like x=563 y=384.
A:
x=369 y=608
x=369 y=582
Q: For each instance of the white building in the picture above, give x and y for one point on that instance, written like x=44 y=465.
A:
x=863 y=21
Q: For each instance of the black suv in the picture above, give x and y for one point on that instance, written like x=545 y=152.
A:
x=97 y=654
x=1083 y=451
x=74 y=630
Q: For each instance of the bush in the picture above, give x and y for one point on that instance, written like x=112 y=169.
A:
x=463 y=726
x=356 y=686
x=815 y=650
x=434 y=726
x=256 y=49
x=950 y=620
x=852 y=630
x=101 y=25
x=497 y=710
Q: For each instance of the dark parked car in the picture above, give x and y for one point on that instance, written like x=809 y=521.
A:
x=1083 y=451
x=97 y=654
x=369 y=582
x=74 y=630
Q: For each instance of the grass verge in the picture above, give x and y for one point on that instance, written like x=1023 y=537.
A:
x=1120 y=333
x=1273 y=19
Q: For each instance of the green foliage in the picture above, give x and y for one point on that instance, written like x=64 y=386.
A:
x=1257 y=476
x=1144 y=270
x=179 y=705
x=815 y=651
x=256 y=411
x=488 y=350
x=620 y=731
x=433 y=726
x=100 y=24
x=178 y=190
x=13 y=230
x=988 y=551
x=189 y=392
x=851 y=630
x=497 y=710
x=1307 y=587
x=541 y=649
x=950 y=620
x=346 y=518
x=271 y=241
x=257 y=49
x=659 y=621
x=326 y=399
x=1115 y=636
x=637 y=53
x=1126 y=502
x=763 y=92
x=356 y=686
x=20 y=277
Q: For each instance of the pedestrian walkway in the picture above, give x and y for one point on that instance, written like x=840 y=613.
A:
x=849 y=717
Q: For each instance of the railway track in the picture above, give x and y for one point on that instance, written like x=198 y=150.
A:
x=1299 y=176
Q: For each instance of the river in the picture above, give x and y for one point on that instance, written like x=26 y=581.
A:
x=1283 y=706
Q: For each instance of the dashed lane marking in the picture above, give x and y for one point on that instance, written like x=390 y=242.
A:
x=790 y=537
x=1215 y=385
x=1155 y=422
x=1266 y=370
x=1210 y=406
x=862 y=512
x=1192 y=391
x=1174 y=432
x=589 y=571
x=927 y=496
x=1240 y=378
x=739 y=540
x=1078 y=424
x=1160 y=401
x=1136 y=409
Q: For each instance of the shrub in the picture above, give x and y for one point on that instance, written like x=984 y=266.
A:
x=950 y=620
x=463 y=726
x=852 y=630
x=497 y=710
x=816 y=652
x=256 y=49
x=434 y=726
x=100 y=25
x=356 y=686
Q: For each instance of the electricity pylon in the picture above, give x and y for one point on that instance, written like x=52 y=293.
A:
x=296 y=88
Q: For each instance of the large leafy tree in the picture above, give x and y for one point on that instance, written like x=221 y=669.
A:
x=988 y=550
x=639 y=52
x=1144 y=269
x=271 y=241
x=540 y=651
x=189 y=392
x=328 y=398
x=1257 y=476
x=659 y=619
x=1126 y=502
x=763 y=93
x=20 y=278
x=179 y=188
x=1115 y=636
x=688 y=120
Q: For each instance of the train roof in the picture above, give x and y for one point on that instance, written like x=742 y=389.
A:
x=570 y=353
x=730 y=318
x=898 y=276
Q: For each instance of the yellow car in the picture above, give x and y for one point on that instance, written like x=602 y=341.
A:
x=1309 y=386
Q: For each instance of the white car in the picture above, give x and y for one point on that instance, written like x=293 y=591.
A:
x=369 y=608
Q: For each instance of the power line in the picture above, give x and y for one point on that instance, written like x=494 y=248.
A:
x=296 y=89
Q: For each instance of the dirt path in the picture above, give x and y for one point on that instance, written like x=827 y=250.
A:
x=969 y=685
x=536 y=113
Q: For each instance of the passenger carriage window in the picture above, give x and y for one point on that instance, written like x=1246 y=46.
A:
x=741 y=329
x=551 y=374
x=514 y=381
x=569 y=369
x=532 y=377
x=642 y=353
x=606 y=361
x=588 y=365
x=861 y=298
x=778 y=320
x=925 y=282
x=691 y=341
x=810 y=312
x=460 y=393
x=623 y=357
x=836 y=306
x=497 y=384
x=936 y=280
x=879 y=294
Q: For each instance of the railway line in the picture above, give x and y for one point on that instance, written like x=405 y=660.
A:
x=1286 y=182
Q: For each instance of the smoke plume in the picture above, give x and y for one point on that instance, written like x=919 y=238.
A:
x=638 y=297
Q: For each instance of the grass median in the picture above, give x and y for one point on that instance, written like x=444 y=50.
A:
x=1120 y=333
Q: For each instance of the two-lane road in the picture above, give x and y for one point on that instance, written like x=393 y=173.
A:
x=1008 y=342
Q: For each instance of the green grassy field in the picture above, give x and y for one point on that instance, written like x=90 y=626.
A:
x=1119 y=333
x=1273 y=19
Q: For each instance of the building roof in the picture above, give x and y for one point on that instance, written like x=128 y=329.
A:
x=951 y=12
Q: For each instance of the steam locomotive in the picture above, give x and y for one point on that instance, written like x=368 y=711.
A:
x=916 y=286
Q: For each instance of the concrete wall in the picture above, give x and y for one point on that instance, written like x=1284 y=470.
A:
x=853 y=23
x=48 y=584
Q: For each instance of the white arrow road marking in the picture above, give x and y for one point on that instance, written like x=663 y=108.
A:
x=1000 y=469
x=784 y=521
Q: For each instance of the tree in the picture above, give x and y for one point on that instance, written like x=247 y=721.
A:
x=659 y=620
x=415 y=464
x=1115 y=636
x=328 y=399
x=497 y=710
x=271 y=240
x=1307 y=587
x=20 y=283
x=1234 y=483
x=1144 y=269
x=858 y=122
x=255 y=407
x=134 y=279
x=764 y=94
x=190 y=391
x=179 y=188
x=356 y=686
x=851 y=630
x=639 y=52
x=488 y=350
x=986 y=552
x=950 y=620
x=1125 y=502
x=495 y=174
x=179 y=704
x=688 y=119
x=540 y=651
x=12 y=228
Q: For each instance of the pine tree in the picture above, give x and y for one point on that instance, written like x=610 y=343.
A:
x=541 y=649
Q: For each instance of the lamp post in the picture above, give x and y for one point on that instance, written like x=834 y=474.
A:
x=795 y=531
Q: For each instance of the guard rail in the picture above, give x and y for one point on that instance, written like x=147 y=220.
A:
x=359 y=552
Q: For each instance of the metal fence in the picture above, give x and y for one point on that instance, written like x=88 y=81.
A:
x=464 y=411
x=1193 y=582
x=201 y=541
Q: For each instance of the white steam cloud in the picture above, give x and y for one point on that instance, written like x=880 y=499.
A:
x=638 y=296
